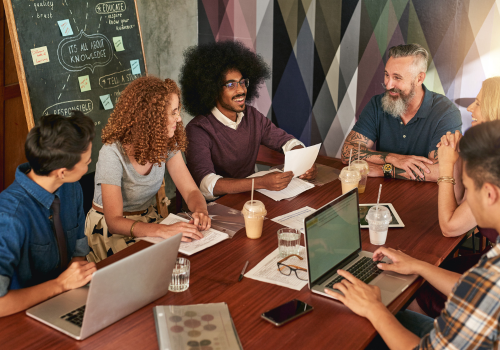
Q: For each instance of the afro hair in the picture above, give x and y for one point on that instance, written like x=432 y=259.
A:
x=205 y=66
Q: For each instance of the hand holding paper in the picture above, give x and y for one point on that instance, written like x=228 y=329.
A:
x=301 y=160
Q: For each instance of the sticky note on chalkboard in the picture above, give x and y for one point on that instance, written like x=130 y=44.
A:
x=117 y=40
x=84 y=83
x=136 y=67
x=106 y=102
x=65 y=27
x=40 y=55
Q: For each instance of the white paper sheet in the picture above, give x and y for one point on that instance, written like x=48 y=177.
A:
x=295 y=219
x=301 y=160
x=267 y=271
x=294 y=188
x=211 y=237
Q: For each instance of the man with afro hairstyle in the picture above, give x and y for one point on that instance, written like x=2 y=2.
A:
x=217 y=81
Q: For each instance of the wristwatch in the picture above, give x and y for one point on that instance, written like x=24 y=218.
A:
x=387 y=168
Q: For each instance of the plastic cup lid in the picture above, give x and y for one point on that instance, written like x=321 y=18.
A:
x=254 y=206
x=381 y=215
x=350 y=175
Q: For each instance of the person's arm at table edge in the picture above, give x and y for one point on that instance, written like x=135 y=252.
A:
x=418 y=168
x=189 y=191
x=78 y=274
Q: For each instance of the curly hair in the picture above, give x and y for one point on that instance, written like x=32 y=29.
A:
x=205 y=67
x=140 y=120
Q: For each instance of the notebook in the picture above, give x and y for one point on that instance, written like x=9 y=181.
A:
x=333 y=241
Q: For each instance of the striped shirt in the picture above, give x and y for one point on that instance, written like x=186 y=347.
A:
x=470 y=317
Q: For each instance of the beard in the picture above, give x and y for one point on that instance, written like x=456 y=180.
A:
x=397 y=106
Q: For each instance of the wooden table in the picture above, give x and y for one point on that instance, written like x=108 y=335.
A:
x=215 y=271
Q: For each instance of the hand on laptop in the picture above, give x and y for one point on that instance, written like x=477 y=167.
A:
x=310 y=174
x=361 y=298
x=401 y=263
x=78 y=274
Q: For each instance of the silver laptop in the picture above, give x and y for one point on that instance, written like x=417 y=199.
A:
x=115 y=291
x=333 y=241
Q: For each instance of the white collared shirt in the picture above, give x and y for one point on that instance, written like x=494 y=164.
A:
x=208 y=183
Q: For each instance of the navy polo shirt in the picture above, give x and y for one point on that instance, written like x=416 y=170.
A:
x=436 y=116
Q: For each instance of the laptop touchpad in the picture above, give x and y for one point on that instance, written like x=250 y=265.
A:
x=391 y=283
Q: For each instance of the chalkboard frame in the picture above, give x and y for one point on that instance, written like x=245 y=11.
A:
x=9 y=13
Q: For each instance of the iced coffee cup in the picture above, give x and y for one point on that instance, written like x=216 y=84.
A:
x=378 y=224
x=362 y=167
x=349 y=179
x=254 y=213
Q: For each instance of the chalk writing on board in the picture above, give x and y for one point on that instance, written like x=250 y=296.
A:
x=123 y=77
x=84 y=51
x=110 y=7
x=65 y=108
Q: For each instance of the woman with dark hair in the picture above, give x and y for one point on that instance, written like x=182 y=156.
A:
x=143 y=135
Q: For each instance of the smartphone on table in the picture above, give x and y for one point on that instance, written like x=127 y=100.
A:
x=286 y=312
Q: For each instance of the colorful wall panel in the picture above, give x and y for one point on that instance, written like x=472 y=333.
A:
x=328 y=56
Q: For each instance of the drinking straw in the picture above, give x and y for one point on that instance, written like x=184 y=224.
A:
x=359 y=149
x=251 y=199
x=350 y=160
x=379 y=191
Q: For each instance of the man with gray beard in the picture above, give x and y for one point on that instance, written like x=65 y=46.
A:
x=405 y=123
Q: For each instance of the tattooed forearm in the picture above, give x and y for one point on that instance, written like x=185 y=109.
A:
x=433 y=155
x=403 y=175
x=364 y=153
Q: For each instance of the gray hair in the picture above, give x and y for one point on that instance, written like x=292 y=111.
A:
x=420 y=55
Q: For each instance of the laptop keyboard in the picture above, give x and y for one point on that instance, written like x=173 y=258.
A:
x=75 y=316
x=365 y=269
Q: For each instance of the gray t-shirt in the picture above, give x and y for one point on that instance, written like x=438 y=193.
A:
x=114 y=168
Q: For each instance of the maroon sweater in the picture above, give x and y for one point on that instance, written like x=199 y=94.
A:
x=214 y=148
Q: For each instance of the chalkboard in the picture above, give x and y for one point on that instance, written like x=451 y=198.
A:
x=75 y=55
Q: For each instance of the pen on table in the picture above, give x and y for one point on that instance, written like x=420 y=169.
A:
x=243 y=271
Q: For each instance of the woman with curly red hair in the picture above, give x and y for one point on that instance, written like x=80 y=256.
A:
x=143 y=135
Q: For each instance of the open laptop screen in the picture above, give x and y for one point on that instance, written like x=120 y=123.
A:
x=332 y=234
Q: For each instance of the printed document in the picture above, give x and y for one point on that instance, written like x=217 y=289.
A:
x=267 y=271
x=295 y=219
x=210 y=237
x=294 y=188
x=301 y=160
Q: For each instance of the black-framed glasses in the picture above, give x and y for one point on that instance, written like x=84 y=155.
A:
x=233 y=84
x=286 y=270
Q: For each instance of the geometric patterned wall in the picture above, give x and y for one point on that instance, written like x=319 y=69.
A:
x=328 y=56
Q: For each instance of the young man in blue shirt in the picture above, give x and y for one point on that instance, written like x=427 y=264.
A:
x=405 y=123
x=42 y=240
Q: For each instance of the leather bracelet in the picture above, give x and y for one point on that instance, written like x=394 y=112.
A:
x=132 y=228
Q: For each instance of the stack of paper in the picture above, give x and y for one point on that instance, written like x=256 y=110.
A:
x=295 y=219
x=294 y=188
x=267 y=271
x=210 y=237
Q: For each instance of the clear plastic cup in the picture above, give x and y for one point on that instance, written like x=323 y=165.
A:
x=378 y=224
x=349 y=179
x=254 y=213
x=180 y=275
x=288 y=241
x=363 y=168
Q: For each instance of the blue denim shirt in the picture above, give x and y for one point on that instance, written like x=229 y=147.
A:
x=436 y=116
x=28 y=246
